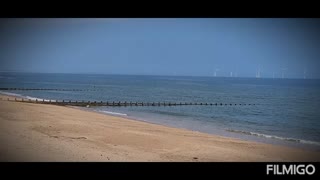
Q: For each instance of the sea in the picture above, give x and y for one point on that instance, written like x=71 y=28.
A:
x=286 y=111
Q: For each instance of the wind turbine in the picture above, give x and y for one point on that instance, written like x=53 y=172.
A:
x=215 y=72
x=258 y=73
x=273 y=75
x=283 y=70
x=304 y=73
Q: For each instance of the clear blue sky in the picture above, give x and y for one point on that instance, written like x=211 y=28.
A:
x=162 y=46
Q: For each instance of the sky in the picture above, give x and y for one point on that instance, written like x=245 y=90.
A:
x=288 y=48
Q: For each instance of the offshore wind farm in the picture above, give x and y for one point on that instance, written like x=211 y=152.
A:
x=259 y=73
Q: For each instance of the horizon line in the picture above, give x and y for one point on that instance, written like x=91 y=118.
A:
x=99 y=73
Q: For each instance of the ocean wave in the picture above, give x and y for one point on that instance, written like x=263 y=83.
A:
x=39 y=99
x=27 y=97
x=114 y=113
x=275 y=137
x=11 y=94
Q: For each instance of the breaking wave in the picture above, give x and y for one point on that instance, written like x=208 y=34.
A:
x=275 y=137
x=114 y=113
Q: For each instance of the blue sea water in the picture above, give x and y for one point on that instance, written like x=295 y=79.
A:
x=287 y=111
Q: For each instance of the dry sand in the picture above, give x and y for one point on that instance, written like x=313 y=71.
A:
x=38 y=132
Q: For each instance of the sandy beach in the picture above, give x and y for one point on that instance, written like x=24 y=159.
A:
x=39 y=132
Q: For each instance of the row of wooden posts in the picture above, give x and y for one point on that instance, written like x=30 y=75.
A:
x=44 y=89
x=119 y=103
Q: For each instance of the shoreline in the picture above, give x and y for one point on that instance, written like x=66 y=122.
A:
x=227 y=133
x=69 y=136
x=230 y=133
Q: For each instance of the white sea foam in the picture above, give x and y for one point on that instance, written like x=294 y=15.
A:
x=39 y=99
x=114 y=113
x=27 y=97
x=275 y=137
x=11 y=94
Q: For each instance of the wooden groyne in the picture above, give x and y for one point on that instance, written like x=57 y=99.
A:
x=43 y=89
x=121 y=103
